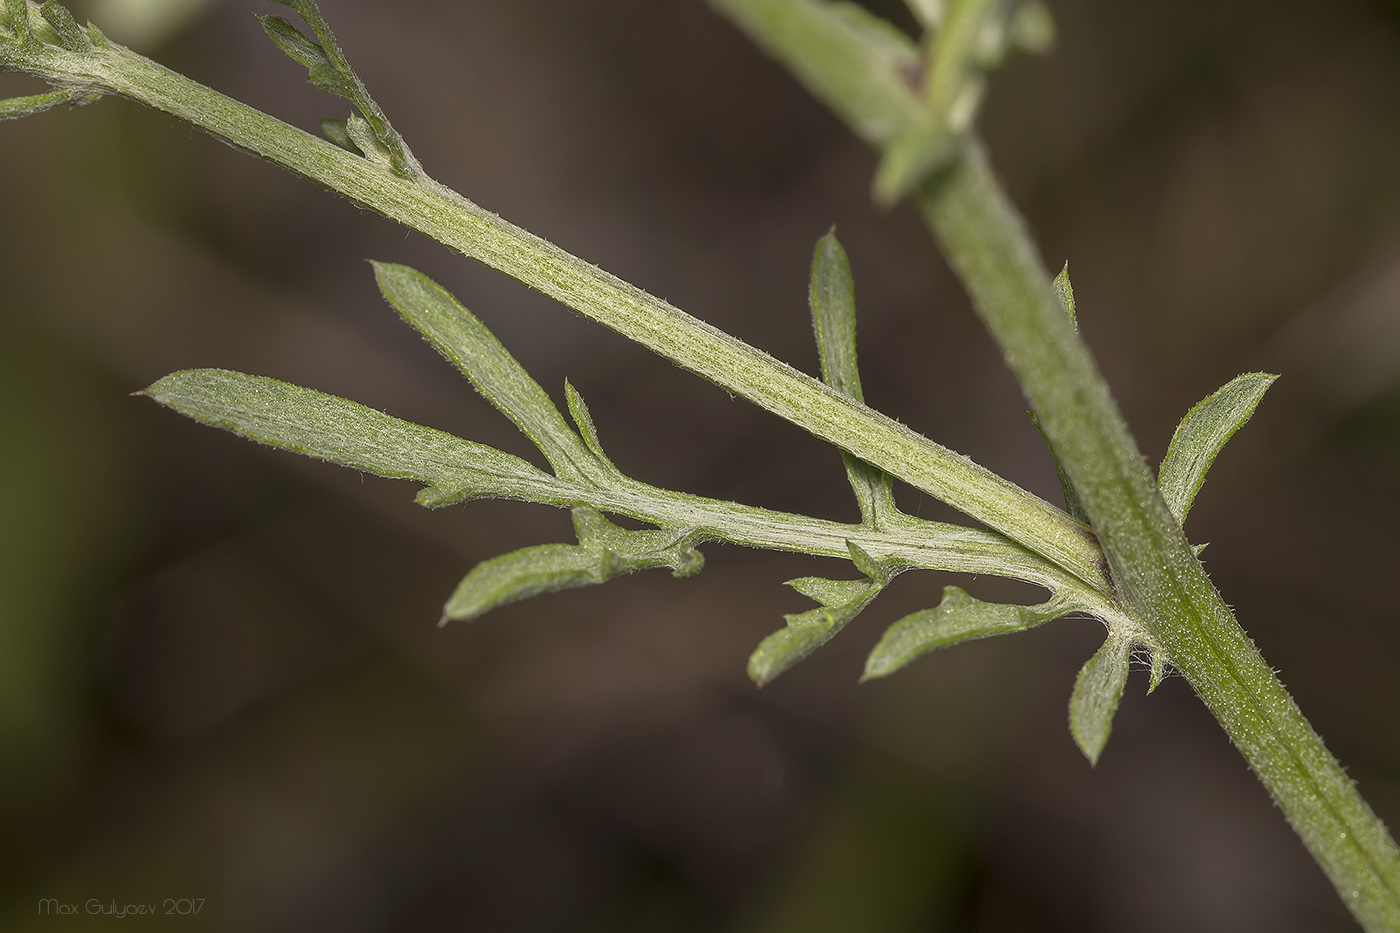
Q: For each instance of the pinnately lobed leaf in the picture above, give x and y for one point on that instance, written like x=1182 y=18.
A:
x=1097 y=691
x=330 y=428
x=1201 y=436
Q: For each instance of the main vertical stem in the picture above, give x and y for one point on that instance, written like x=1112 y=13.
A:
x=1158 y=578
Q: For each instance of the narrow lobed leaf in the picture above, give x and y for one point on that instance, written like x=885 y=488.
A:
x=1097 y=691
x=1158 y=672
x=605 y=551
x=1201 y=436
x=531 y=571
x=830 y=592
x=70 y=34
x=879 y=572
x=17 y=14
x=956 y=619
x=330 y=428
x=1066 y=293
x=578 y=410
x=96 y=37
x=365 y=140
x=805 y=632
x=841 y=601
x=831 y=295
x=337 y=77
x=16 y=107
x=466 y=343
x=320 y=71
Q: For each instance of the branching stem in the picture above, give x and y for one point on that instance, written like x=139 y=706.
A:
x=1159 y=579
x=441 y=213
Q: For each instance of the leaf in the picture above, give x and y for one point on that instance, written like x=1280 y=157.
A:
x=578 y=410
x=16 y=107
x=1072 y=503
x=70 y=34
x=1066 y=293
x=830 y=592
x=958 y=618
x=337 y=132
x=806 y=632
x=17 y=12
x=1158 y=672
x=328 y=69
x=360 y=133
x=854 y=70
x=831 y=294
x=1201 y=435
x=1097 y=691
x=466 y=343
x=841 y=601
x=605 y=551
x=320 y=70
x=330 y=428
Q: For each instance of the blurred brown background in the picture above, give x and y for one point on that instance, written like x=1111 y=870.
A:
x=219 y=672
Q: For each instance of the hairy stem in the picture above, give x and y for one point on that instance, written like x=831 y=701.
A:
x=451 y=219
x=1159 y=580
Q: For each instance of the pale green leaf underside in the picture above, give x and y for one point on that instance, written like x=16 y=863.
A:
x=330 y=428
x=1097 y=691
x=958 y=618
x=1202 y=434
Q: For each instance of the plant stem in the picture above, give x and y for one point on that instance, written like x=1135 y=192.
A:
x=441 y=213
x=1159 y=580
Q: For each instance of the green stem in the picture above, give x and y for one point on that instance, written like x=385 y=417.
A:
x=1159 y=580
x=446 y=216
